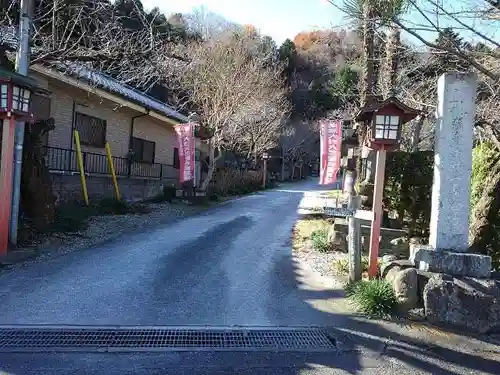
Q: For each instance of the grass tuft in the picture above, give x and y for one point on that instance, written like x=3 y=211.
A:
x=373 y=298
x=319 y=239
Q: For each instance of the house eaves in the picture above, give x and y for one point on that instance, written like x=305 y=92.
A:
x=112 y=85
x=72 y=81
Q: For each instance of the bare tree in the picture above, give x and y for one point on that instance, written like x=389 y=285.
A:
x=89 y=32
x=232 y=86
x=478 y=22
x=94 y=33
x=299 y=143
x=208 y=24
x=259 y=127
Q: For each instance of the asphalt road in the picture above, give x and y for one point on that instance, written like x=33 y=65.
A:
x=230 y=266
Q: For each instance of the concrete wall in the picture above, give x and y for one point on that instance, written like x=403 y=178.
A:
x=67 y=187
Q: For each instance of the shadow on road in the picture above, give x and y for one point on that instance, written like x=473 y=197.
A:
x=362 y=345
x=358 y=336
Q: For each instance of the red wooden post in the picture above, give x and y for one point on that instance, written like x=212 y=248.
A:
x=378 y=193
x=384 y=121
x=6 y=165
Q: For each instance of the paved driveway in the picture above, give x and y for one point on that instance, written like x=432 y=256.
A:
x=230 y=266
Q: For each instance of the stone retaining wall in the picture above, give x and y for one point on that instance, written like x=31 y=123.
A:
x=67 y=187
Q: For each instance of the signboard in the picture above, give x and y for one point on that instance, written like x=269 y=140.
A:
x=330 y=144
x=186 y=142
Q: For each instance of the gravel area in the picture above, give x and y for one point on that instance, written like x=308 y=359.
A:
x=323 y=263
x=109 y=227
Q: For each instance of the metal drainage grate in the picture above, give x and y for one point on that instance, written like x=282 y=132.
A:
x=144 y=339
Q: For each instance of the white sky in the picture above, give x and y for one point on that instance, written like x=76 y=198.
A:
x=280 y=19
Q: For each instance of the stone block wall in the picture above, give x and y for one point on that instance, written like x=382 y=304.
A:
x=68 y=187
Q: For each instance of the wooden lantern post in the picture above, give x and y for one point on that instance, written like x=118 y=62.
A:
x=384 y=121
x=15 y=105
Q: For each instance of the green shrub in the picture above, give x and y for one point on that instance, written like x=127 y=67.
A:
x=350 y=287
x=341 y=266
x=169 y=193
x=408 y=189
x=484 y=156
x=319 y=239
x=482 y=213
x=71 y=217
x=374 y=298
x=113 y=206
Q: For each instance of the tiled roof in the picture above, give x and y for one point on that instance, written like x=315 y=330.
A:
x=114 y=86
x=8 y=37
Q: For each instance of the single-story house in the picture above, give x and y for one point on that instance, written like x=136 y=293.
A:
x=138 y=128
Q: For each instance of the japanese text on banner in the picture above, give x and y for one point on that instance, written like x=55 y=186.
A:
x=331 y=142
x=185 y=139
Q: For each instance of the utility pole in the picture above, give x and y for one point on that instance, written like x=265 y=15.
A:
x=22 y=66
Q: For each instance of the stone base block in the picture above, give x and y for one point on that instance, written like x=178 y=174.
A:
x=467 y=303
x=456 y=264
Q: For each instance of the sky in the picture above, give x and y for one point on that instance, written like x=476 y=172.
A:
x=280 y=19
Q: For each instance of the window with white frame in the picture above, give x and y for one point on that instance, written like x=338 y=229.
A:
x=21 y=99
x=3 y=95
x=386 y=127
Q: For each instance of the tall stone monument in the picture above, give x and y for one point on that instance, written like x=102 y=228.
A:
x=449 y=225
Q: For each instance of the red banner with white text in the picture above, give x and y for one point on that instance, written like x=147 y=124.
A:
x=331 y=145
x=185 y=139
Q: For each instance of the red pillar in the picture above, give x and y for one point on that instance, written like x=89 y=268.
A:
x=6 y=166
x=378 y=193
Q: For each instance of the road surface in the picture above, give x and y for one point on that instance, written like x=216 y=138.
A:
x=230 y=266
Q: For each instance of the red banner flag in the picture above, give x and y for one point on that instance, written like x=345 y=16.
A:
x=331 y=144
x=185 y=139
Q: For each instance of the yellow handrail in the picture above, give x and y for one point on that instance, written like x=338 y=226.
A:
x=112 y=171
x=79 y=158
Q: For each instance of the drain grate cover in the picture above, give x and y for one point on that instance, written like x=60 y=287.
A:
x=144 y=339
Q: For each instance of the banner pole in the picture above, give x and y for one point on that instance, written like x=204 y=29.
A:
x=194 y=155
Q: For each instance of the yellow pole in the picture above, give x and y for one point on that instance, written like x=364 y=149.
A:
x=112 y=171
x=79 y=158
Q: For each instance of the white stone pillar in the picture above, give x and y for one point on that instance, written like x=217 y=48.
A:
x=449 y=224
x=449 y=227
